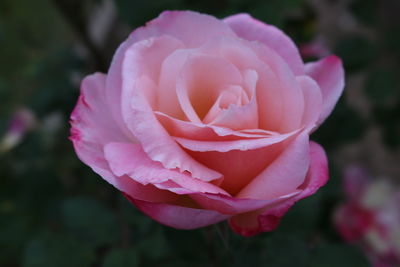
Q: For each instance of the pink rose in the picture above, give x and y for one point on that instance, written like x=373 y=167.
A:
x=200 y=120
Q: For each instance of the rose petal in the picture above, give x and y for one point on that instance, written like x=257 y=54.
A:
x=284 y=174
x=329 y=74
x=141 y=121
x=232 y=94
x=92 y=128
x=176 y=24
x=238 y=167
x=130 y=159
x=200 y=84
x=192 y=28
x=237 y=116
x=232 y=205
x=251 y=29
x=280 y=98
x=312 y=100
x=225 y=146
x=277 y=91
x=177 y=216
x=199 y=131
x=267 y=219
x=167 y=98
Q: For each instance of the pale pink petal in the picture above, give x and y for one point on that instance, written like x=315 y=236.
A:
x=139 y=191
x=192 y=28
x=284 y=175
x=312 y=100
x=238 y=167
x=267 y=219
x=200 y=131
x=130 y=159
x=329 y=74
x=251 y=29
x=92 y=128
x=273 y=99
x=139 y=116
x=232 y=94
x=201 y=82
x=280 y=98
x=225 y=146
x=237 y=116
x=235 y=50
x=166 y=92
x=158 y=48
x=233 y=205
x=177 y=216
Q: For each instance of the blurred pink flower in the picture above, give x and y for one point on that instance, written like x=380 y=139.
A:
x=22 y=121
x=370 y=217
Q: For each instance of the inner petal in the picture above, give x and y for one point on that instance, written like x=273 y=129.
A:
x=238 y=116
x=232 y=95
x=201 y=81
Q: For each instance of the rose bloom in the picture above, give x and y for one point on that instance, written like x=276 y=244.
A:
x=200 y=120
x=370 y=217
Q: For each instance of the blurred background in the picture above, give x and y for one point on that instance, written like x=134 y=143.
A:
x=55 y=211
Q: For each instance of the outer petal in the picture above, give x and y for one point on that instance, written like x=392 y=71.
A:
x=233 y=205
x=267 y=219
x=92 y=127
x=177 y=216
x=130 y=159
x=251 y=29
x=312 y=100
x=329 y=74
x=192 y=28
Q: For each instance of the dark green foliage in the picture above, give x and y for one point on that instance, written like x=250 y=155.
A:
x=88 y=220
x=337 y=255
x=47 y=249
x=356 y=52
x=121 y=258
